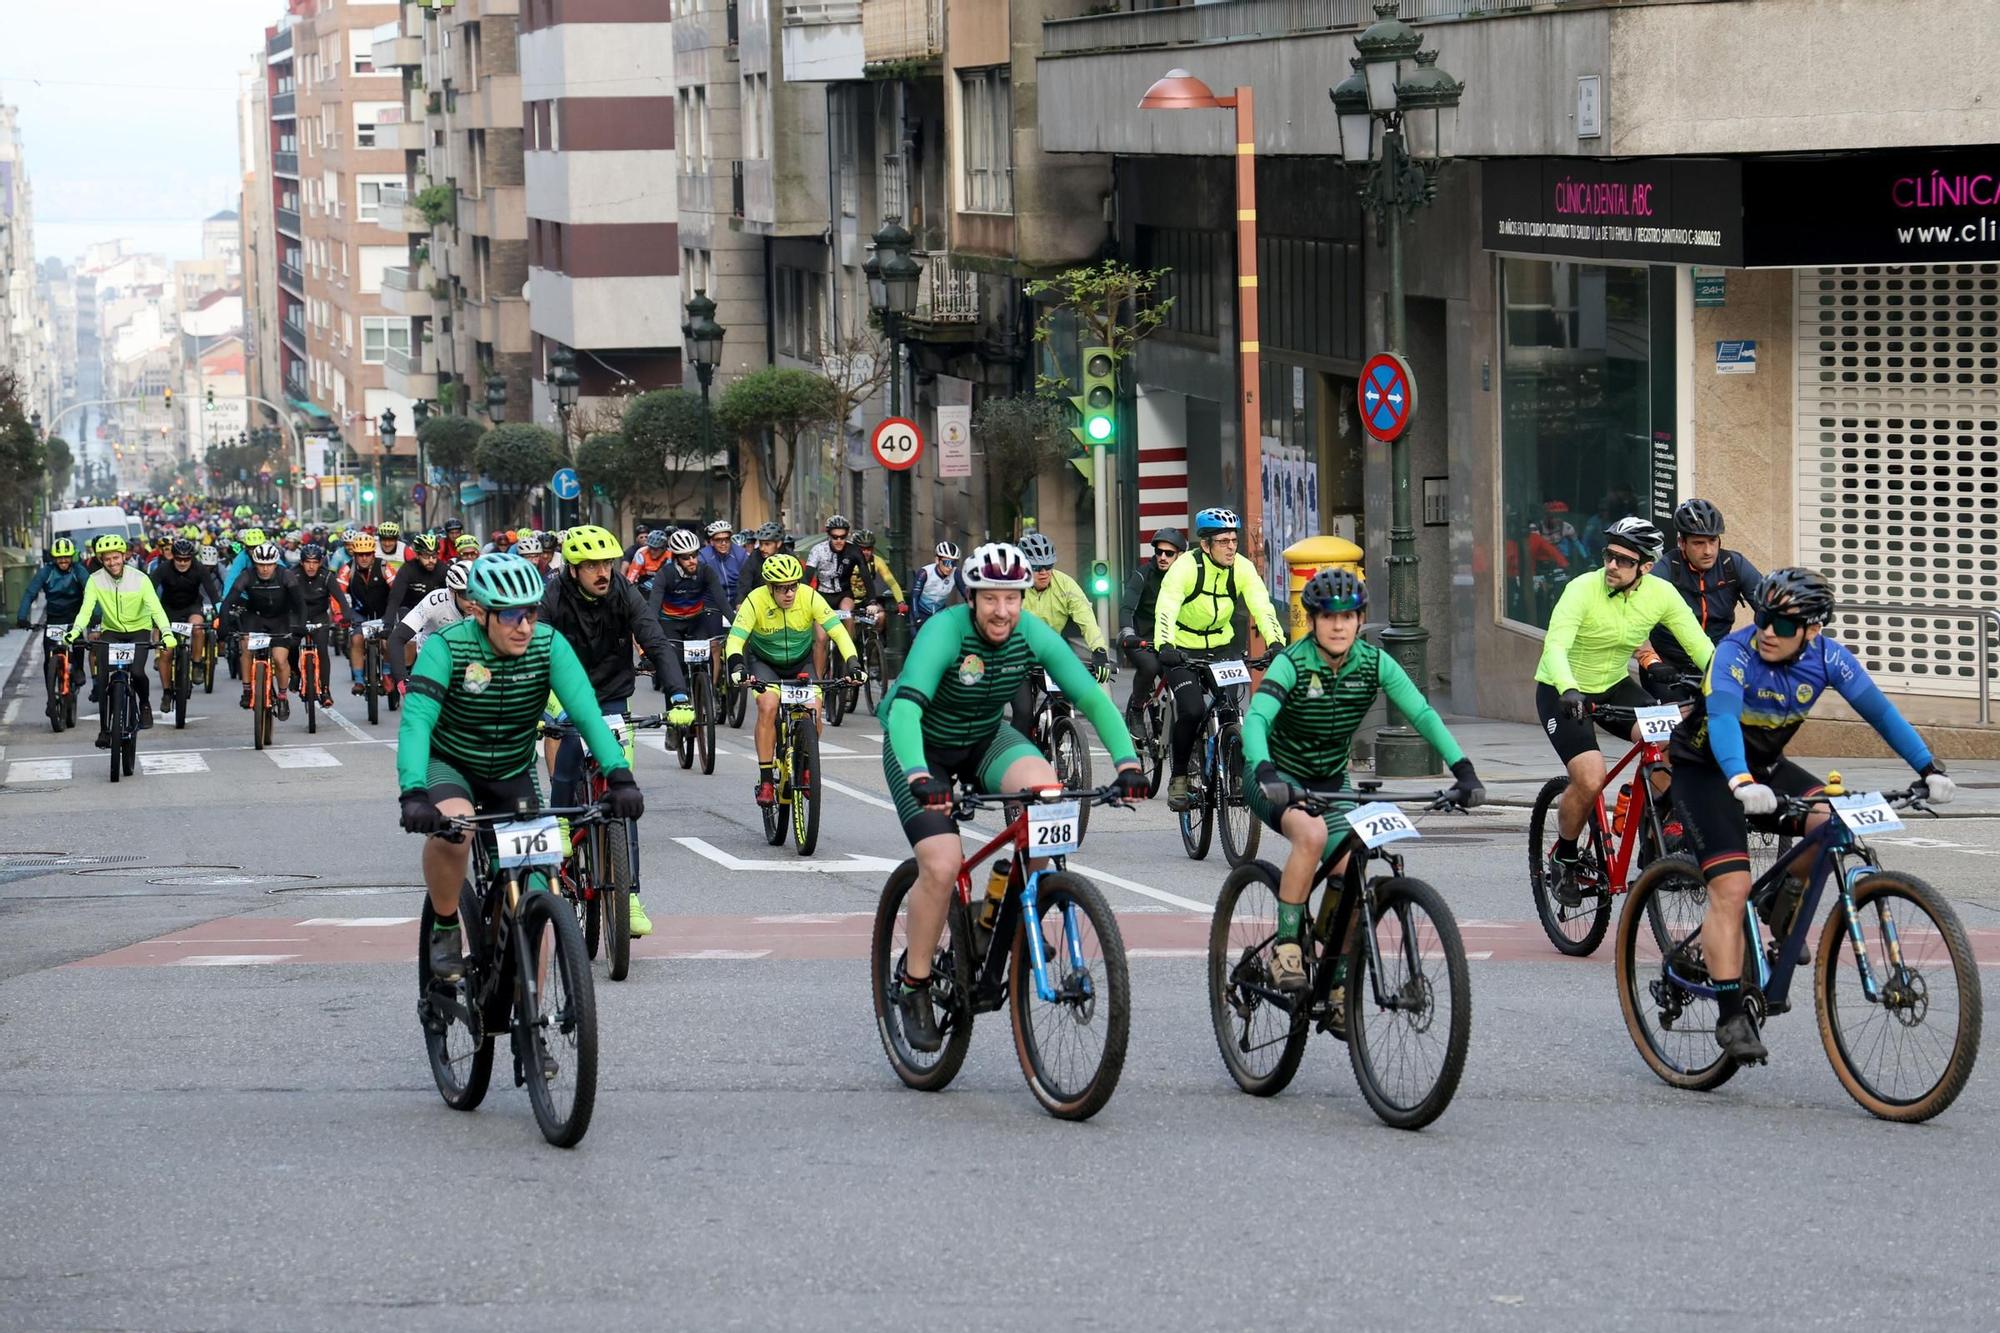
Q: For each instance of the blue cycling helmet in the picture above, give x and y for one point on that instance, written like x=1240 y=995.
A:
x=1211 y=521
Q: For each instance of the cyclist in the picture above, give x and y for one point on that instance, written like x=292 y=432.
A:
x=935 y=586
x=531 y=549
x=320 y=588
x=1055 y=599
x=1300 y=728
x=873 y=580
x=440 y=609
x=768 y=537
x=1194 y=611
x=130 y=610
x=646 y=563
x=771 y=639
x=1730 y=765
x=246 y=541
x=688 y=603
x=1135 y=635
x=466 y=548
x=266 y=599
x=365 y=580
x=830 y=568
x=186 y=591
x=1711 y=580
x=417 y=579
x=725 y=557
x=1597 y=623
x=60 y=584
x=389 y=541
x=947 y=721
x=467 y=739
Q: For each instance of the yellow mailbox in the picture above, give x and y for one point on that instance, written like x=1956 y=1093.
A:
x=1308 y=558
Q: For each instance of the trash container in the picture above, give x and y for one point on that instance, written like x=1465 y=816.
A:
x=17 y=568
x=1307 y=558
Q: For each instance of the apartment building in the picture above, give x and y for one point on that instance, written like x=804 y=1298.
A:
x=24 y=322
x=257 y=242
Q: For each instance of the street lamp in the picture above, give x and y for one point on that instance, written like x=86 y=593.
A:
x=1182 y=91
x=496 y=398
x=386 y=428
x=420 y=412
x=1398 y=121
x=892 y=293
x=564 y=385
x=701 y=339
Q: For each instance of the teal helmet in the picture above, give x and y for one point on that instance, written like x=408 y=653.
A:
x=503 y=579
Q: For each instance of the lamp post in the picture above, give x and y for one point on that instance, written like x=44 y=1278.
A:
x=892 y=294
x=564 y=385
x=1182 y=91
x=1398 y=121
x=386 y=428
x=701 y=337
x=420 y=412
x=496 y=398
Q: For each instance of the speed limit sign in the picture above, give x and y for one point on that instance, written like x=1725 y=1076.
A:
x=897 y=444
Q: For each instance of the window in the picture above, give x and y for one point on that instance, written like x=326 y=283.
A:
x=368 y=195
x=364 y=59
x=987 y=98
x=1584 y=406
x=798 y=293
x=381 y=332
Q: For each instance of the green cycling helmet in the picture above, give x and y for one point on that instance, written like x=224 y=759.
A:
x=502 y=580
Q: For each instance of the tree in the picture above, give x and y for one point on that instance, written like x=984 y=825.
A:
x=621 y=469
x=450 y=442
x=667 y=427
x=1022 y=438
x=1096 y=296
x=782 y=404
x=22 y=465
x=60 y=462
x=518 y=456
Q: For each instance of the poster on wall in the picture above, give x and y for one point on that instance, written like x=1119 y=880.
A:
x=954 y=440
x=1291 y=508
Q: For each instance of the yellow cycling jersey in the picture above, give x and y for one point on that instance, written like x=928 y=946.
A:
x=858 y=581
x=1197 y=602
x=1063 y=604
x=783 y=636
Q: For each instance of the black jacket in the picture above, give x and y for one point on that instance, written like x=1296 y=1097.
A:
x=1142 y=590
x=411 y=584
x=1711 y=596
x=601 y=630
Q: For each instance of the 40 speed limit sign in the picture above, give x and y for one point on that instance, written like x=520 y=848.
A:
x=897 y=444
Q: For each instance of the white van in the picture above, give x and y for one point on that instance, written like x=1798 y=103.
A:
x=84 y=526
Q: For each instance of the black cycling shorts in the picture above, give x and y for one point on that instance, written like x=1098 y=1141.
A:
x=278 y=627
x=489 y=796
x=1574 y=737
x=1716 y=825
x=771 y=673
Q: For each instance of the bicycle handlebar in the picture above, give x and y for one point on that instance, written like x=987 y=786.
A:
x=965 y=803
x=1916 y=796
x=648 y=722
x=1323 y=797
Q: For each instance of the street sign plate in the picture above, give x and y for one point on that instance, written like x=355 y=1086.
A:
x=419 y=493
x=565 y=484
x=1388 y=396
x=897 y=444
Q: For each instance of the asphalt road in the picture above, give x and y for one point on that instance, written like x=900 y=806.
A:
x=219 y=1114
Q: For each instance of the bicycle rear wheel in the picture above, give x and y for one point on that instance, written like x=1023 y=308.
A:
x=684 y=746
x=1261 y=1041
x=951 y=986
x=1072 y=1049
x=561 y=1025
x=1907 y=1054
x=371 y=680
x=461 y=1064
x=309 y=687
x=704 y=719
x=614 y=905
x=1408 y=1057
x=1673 y=1028
x=804 y=782
x=1153 y=720
x=1241 y=829
x=1576 y=931
x=1071 y=758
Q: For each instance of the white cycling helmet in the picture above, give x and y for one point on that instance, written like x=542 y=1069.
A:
x=264 y=554
x=947 y=551
x=455 y=577
x=997 y=565
x=683 y=542
x=528 y=545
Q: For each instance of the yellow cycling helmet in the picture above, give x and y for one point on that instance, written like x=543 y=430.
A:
x=361 y=544
x=590 y=542
x=111 y=544
x=782 y=568
x=251 y=537
x=62 y=548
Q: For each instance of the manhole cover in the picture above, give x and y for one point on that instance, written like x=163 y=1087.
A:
x=155 y=872
x=230 y=880
x=347 y=891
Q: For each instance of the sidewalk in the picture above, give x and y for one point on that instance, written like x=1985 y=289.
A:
x=1514 y=759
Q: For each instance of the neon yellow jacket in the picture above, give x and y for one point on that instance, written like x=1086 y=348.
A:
x=1197 y=601
x=128 y=605
x=1593 y=630
x=1063 y=603
x=858 y=582
x=783 y=637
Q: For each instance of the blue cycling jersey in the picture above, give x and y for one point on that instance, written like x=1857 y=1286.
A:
x=1751 y=708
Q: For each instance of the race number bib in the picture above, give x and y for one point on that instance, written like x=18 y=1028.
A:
x=1379 y=822
x=120 y=654
x=1229 y=673
x=844 y=615
x=371 y=629
x=181 y=628
x=527 y=842
x=695 y=650
x=795 y=694
x=1049 y=684
x=1865 y=813
x=1656 y=725
x=57 y=633
x=256 y=641
x=1055 y=829
x=616 y=722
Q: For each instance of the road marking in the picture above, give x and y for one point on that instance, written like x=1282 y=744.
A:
x=1166 y=953
x=354 y=730
x=301 y=756
x=40 y=770
x=828 y=747
x=807 y=918
x=866 y=798
x=358 y=922
x=13 y=711
x=720 y=955
x=172 y=762
x=855 y=861
x=233 y=959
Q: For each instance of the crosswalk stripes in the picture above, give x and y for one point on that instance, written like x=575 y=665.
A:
x=156 y=764
x=302 y=756
x=39 y=770
x=166 y=763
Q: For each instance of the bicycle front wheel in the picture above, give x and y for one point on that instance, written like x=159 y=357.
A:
x=1674 y=1028
x=804 y=780
x=1072 y=1047
x=614 y=907
x=183 y=685
x=1906 y=1054
x=1408 y=1047
x=114 y=719
x=557 y=1016
x=371 y=680
x=704 y=719
x=1071 y=758
x=1153 y=720
x=951 y=986
x=1576 y=931
x=1241 y=829
x=461 y=1064
x=1261 y=1038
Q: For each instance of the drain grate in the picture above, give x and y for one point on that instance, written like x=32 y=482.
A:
x=13 y=860
x=155 y=872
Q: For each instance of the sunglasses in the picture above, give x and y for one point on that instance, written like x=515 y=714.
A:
x=1622 y=561
x=515 y=615
x=1781 y=625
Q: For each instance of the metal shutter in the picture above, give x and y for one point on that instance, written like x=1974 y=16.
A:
x=1898 y=440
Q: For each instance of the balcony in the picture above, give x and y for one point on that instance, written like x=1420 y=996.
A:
x=695 y=192
x=407 y=291
x=284 y=106
x=293 y=336
x=288 y=221
x=757 y=203
x=411 y=373
x=400 y=52
x=281 y=40
x=393 y=129
x=946 y=296
x=397 y=213
x=292 y=278
x=736 y=189
x=285 y=164
x=822 y=40
x=894 y=30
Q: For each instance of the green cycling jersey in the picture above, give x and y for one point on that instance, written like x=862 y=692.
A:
x=1593 y=631
x=128 y=604
x=1306 y=712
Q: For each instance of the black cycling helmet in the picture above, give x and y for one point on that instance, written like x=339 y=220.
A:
x=1335 y=590
x=1798 y=593
x=312 y=551
x=1698 y=518
x=1173 y=537
x=769 y=532
x=838 y=521
x=183 y=549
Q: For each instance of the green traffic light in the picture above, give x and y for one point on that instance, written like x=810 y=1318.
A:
x=1099 y=428
x=1100 y=579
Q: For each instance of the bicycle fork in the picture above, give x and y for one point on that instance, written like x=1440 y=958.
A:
x=1038 y=958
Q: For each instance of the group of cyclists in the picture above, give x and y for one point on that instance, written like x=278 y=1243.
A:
x=494 y=639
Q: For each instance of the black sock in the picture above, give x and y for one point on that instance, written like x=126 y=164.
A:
x=767 y=772
x=911 y=983
x=1566 y=848
x=445 y=922
x=1728 y=999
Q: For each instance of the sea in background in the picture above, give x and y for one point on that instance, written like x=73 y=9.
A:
x=67 y=240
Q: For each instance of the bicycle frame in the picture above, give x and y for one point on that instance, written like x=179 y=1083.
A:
x=1013 y=907
x=1650 y=757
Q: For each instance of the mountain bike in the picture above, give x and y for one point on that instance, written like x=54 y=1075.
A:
x=1216 y=789
x=797 y=759
x=120 y=697
x=262 y=684
x=698 y=740
x=62 y=672
x=1061 y=741
x=1900 y=1026
x=838 y=703
x=1399 y=992
x=868 y=630
x=1065 y=979
x=602 y=868
x=206 y=651
x=525 y=974
x=374 y=682
x=177 y=685
x=1152 y=729
x=311 y=673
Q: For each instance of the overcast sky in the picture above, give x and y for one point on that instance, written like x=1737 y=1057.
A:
x=128 y=113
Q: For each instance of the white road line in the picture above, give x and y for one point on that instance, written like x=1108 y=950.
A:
x=93 y=756
x=357 y=922
x=40 y=770
x=233 y=959
x=302 y=756
x=829 y=748
x=353 y=729
x=170 y=762
x=13 y=711
x=1166 y=953
x=866 y=798
x=719 y=955
x=794 y=866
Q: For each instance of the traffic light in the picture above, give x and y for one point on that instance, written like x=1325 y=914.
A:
x=211 y=400
x=170 y=400
x=1097 y=404
x=1100 y=580
x=368 y=495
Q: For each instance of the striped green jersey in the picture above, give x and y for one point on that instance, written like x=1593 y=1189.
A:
x=1306 y=712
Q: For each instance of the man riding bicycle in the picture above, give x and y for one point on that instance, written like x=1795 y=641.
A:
x=1299 y=731
x=688 y=601
x=769 y=538
x=365 y=580
x=1711 y=580
x=1597 y=623
x=771 y=640
x=467 y=740
x=419 y=577
x=946 y=721
x=1730 y=766
x=1141 y=599
x=272 y=603
x=60 y=583
x=830 y=569
x=934 y=587
x=130 y=610
x=320 y=589
x=1055 y=599
x=187 y=590
x=726 y=558
x=1195 y=612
